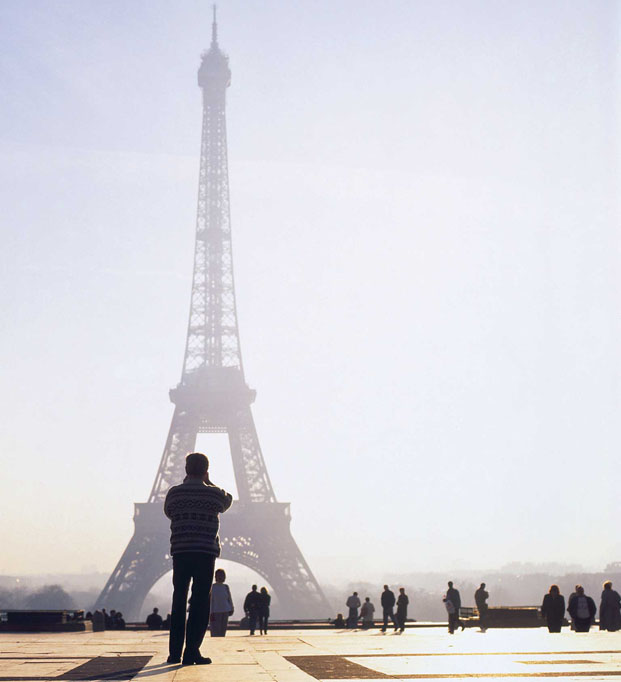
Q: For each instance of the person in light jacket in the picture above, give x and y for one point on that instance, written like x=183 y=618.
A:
x=366 y=613
x=582 y=609
x=221 y=605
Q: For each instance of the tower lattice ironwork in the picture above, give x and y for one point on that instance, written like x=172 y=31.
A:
x=213 y=397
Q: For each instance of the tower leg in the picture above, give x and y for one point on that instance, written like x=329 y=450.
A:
x=258 y=536
x=143 y=563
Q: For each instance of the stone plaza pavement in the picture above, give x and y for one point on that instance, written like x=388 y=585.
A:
x=307 y=655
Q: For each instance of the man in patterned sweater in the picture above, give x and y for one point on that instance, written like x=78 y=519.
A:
x=193 y=509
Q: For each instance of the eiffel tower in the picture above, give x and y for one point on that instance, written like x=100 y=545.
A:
x=213 y=397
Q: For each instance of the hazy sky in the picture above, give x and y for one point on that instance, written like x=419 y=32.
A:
x=424 y=206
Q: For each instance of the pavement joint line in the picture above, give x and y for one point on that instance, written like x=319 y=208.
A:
x=45 y=658
x=450 y=676
x=485 y=653
x=565 y=662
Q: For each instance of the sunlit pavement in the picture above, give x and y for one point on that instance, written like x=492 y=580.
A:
x=297 y=655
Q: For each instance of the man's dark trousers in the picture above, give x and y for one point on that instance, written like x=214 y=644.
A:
x=253 y=614
x=197 y=567
x=388 y=613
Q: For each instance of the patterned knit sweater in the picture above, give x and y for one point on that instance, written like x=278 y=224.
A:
x=193 y=509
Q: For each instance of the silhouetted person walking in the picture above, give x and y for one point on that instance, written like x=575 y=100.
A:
x=353 y=604
x=402 y=608
x=154 y=620
x=553 y=609
x=452 y=602
x=193 y=509
x=610 y=609
x=220 y=605
x=480 y=599
x=252 y=605
x=388 y=604
x=582 y=609
x=264 y=610
x=366 y=613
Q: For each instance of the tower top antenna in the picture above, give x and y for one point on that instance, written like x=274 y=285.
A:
x=214 y=29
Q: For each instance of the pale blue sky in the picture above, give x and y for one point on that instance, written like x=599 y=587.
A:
x=424 y=204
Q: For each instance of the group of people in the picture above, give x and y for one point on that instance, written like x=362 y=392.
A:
x=367 y=610
x=108 y=621
x=582 y=609
x=257 y=608
x=156 y=622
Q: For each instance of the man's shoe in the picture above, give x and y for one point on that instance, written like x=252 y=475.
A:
x=195 y=660
x=173 y=659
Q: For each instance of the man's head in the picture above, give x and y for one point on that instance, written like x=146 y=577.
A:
x=254 y=588
x=196 y=464
x=155 y=609
x=482 y=586
x=450 y=583
x=220 y=575
x=402 y=590
x=367 y=598
x=355 y=594
x=580 y=589
x=385 y=587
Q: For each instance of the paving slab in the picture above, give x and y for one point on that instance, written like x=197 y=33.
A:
x=310 y=655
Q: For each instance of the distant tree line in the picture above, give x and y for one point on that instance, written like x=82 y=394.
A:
x=45 y=597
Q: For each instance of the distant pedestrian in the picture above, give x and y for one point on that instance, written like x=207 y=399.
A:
x=339 y=621
x=221 y=605
x=402 y=608
x=252 y=604
x=353 y=604
x=582 y=609
x=553 y=609
x=264 y=610
x=99 y=621
x=154 y=620
x=366 y=613
x=452 y=602
x=388 y=605
x=572 y=623
x=610 y=609
x=480 y=599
